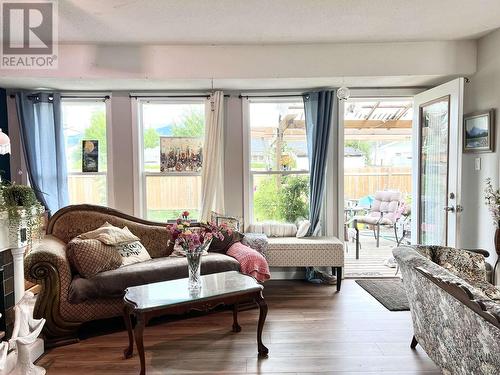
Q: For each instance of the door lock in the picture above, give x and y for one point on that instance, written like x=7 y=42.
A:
x=449 y=208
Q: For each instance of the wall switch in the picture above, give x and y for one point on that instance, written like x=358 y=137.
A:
x=477 y=164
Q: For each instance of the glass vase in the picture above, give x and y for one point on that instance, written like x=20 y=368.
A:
x=194 y=263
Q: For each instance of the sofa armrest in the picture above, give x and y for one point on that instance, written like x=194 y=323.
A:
x=46 y=259
x=48 y=266
x=484 y=253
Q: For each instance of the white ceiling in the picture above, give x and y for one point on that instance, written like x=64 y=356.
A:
x=276 y=21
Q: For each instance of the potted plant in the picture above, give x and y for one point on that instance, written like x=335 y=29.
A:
x=24 y=213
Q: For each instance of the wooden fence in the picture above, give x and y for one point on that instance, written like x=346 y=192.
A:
x=177 y=193
x=360 y=182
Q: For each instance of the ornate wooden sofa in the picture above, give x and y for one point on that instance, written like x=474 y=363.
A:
x=61 y=301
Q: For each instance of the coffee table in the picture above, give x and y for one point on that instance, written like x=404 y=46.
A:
x=173 y=297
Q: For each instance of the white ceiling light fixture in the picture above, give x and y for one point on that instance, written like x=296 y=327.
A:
x=343 y=93
x=4 y=143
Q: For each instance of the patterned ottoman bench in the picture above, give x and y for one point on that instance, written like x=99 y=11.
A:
x=306 y=252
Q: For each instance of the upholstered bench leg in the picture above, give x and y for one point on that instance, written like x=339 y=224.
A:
x=337 y=271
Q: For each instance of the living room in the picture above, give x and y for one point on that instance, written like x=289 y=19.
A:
x=250 y=187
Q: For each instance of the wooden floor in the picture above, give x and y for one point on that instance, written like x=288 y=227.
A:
x=310 y=329
x=371 y=258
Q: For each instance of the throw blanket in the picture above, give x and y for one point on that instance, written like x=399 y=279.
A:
x=251 y=261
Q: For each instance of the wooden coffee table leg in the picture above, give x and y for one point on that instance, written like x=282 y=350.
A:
x=236 y=326
x=138 y=333
x=127 y=353
x=263 y=351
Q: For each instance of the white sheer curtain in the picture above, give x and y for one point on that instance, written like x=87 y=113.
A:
x=212 y=175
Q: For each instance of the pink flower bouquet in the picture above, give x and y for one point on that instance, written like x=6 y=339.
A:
x=195 y=239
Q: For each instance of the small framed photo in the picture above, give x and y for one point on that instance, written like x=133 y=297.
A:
x=479 y=131
x=90 y=156
x=231 y=222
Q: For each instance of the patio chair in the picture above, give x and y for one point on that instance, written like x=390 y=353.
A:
x=386 y=209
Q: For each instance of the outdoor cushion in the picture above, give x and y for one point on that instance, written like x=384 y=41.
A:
x=113 y=283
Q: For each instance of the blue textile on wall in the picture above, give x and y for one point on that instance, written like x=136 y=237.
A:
x=43 y=146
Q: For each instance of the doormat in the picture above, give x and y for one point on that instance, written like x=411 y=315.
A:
x=389 y=292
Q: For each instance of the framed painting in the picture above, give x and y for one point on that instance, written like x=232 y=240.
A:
x=181 y=154
x=90 y=156
x=479 y=131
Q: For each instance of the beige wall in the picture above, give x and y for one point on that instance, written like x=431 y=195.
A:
x=122 y=173
x=481 y=93
x=184 y=67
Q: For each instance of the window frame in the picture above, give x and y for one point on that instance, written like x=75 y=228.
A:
x=106 y=99
x=248 y=173
x=140 y=175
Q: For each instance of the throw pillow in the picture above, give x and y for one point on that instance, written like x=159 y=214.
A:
x=110 y=235
x=303 y=228
x=89 y=257
x=462 y=263
x=133 y=252
x=218 y=246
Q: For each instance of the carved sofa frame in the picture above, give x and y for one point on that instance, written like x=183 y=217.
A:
x=48 y=266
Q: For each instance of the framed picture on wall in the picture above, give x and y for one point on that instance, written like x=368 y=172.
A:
x=479 y=131
x=181 y=154
x=90 y=156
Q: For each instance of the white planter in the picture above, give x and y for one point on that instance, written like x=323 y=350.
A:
x=15 y=236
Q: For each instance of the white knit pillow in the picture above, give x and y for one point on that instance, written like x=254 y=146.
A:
x=304 y=226
x=274 y=229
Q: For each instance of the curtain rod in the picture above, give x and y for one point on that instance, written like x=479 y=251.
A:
x=105 y=97
x=271 y=96
x=207 y=96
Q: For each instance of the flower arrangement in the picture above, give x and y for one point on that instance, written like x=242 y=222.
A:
x=195 y=239
x=492 y=200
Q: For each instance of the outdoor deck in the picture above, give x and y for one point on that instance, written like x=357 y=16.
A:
x=371 y=259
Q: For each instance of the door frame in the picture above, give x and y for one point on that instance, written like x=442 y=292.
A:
x=396 y=92
x=455 y=90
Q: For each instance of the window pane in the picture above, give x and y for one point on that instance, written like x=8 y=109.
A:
x=278 y=136
x=169 y=120
x=168 y=196
x=84 y=121
x=280 y=198
x=377 y=148
x=90 y=189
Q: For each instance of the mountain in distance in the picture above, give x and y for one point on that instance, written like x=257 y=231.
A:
x=165 y=130
x=477 y=132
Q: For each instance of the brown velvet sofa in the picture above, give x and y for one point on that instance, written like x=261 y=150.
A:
x=67 y=300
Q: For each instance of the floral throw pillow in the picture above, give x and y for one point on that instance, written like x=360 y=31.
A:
x=465 y=264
